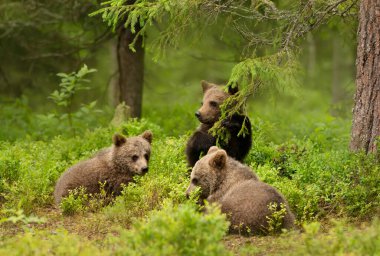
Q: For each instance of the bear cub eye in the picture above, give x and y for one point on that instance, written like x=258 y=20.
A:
x=135 y=158
x=146 y=157
x=194 y=181
x=213 y=104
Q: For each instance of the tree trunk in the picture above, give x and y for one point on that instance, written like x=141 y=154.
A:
x=131 y=71
x=366 y=112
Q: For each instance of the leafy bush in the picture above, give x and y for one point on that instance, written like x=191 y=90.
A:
x=47 y=243
x=174 y=230
x=20 y=122
x=316 y=180
x=341 y=240
x=69 y=87
x=75 y=202
x=276 y=218
x=14 y=216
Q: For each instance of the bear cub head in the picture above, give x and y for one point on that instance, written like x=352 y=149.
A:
x=213 y=97
x=208 y=172
x=131 y=155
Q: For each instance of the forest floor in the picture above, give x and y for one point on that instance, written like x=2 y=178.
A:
x=94 y=227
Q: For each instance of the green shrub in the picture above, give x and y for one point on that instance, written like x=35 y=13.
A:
x=75 y=202
x=340 y=240
x=318 y=180
x=174 y=230
x=58 y=242
x=276 y=218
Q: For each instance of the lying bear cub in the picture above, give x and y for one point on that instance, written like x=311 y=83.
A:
x=242 y=197
x=112 y=166
x=238 y=146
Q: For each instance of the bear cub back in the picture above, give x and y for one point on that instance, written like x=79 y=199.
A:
x=242 y=197
x=111 y=166
x=198 y=144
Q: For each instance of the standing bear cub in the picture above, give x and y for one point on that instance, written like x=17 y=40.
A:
x=237 y=146
x=112 y=167
x=242 y=197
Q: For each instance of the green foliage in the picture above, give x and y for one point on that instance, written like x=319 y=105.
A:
x=19 y=216
x=42 y=38
x=316 y=174
x=70 y=85
x=78 y=201
x=311 y=166
x=341 y=240
x=20 y=122
x=142 y=14
x=267 y=34
x=59 y=242
x=174 y=230
x=275 y=220
x=319 y=181
x=75 y=202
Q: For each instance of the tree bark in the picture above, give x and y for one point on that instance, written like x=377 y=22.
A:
x=131 y=71
x=366 y=112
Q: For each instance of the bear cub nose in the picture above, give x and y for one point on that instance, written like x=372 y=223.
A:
x=144 y=170
x=197 y=114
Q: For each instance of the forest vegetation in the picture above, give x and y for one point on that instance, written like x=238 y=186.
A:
x=73 y=73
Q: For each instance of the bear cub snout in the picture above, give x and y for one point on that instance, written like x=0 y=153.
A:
x=111 y=166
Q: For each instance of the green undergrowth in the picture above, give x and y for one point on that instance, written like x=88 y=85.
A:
x=341 y=239
x=171 y=230
x=318 y=179
x=329 y=239
x=314 y=170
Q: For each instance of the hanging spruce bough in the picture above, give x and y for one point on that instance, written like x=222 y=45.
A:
x=269 y=32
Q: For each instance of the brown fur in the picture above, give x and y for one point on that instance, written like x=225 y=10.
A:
x=237 y=146
x=213 y=97
x=237 y=189
x=115 y=165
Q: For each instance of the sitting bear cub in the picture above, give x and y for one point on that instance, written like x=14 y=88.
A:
x=242 y=197
x=113 y=166
x=238 y=146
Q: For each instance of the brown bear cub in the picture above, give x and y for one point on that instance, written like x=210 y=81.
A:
x=112 y=166
x=238 y=146
x=242 y=197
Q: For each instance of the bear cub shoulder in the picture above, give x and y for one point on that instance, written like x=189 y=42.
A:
x=239 y=192
x=113 y=166
x=237 y=146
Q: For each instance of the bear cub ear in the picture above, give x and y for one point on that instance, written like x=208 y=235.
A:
x=212 y=150
x=147 y=135
x=118 y=139
x=205 y=85
x=219 y=160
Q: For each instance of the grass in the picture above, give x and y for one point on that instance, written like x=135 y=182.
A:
x=304 y=155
